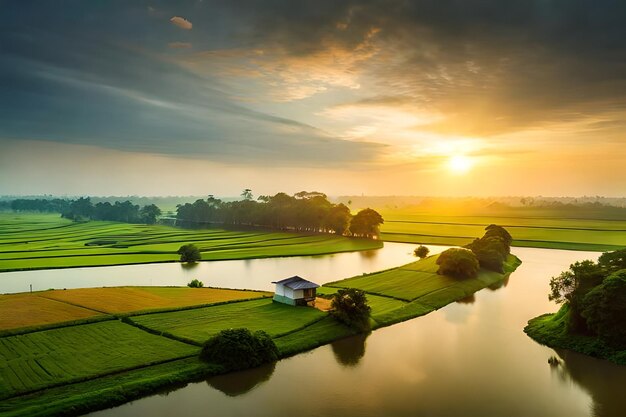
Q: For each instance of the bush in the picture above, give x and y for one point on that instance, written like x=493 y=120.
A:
x=604 y=308
x=494 y=230
x=421 y=251
x=458 y=263
x=491 y=252
x=189 y=253
x=236 y=349
x=195 y=284
x=349 y=306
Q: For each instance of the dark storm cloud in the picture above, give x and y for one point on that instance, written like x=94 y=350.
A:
x=102 y=73
x=91 y=74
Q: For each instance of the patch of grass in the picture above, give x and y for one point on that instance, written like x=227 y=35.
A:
x=48 y=358
x=318 y=334
x=200 y=324
x=129 y=299
x=37 y=241
x=551 y=330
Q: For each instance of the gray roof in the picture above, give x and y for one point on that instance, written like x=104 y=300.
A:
x=296 y=283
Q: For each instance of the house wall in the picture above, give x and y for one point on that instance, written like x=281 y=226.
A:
x=289 y=293
x=280 y=289
x=297 y=294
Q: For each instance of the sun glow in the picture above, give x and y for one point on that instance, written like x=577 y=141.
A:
x=460 y=164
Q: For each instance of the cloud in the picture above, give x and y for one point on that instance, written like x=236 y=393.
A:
x=181 y=22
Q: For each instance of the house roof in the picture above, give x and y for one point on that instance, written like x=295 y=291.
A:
x=296 y=283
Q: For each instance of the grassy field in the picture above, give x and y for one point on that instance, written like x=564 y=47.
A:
x=25 y=310
x=132 y=299
x=200 y=324
x=43 y=359
x=42 y=241
x=91 y=366
x=542 y=232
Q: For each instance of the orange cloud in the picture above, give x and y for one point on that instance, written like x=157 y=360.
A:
x=181 y=22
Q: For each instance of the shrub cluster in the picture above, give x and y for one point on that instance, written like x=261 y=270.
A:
x=458 y=263
x=236 y=349
x=421 y=251
x=492 y=249
x=195 y=283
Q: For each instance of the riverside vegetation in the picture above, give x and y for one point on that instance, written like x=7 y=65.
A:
x=119 y=348
x=592 y=319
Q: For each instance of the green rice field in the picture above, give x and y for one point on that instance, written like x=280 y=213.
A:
x=48 y=358
x=200 y=324
x=43 y=241
x=541 y=232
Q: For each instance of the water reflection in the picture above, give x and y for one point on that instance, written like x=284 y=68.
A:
x=470 y=299
x=350 y=350
x=238 y=383
x=188 y=266
x=605 y=382
x=500 y=284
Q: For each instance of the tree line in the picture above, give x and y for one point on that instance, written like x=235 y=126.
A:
x=125 y=211
x=302 y=212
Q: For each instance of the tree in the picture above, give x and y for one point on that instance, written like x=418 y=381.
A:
x=350 y=307
x=493 y=230
x=195 y=283
x=247 y=194
x=491 y=252
x=458 y=263
x=338 y=219
x=149 y=214
x=421 y=251
x=604 y=309
x=613 y=261
x=366 y=223
x=189 y=253
x=237 y=349
x=571 y=286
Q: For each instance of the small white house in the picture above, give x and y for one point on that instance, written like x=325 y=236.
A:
x=295 y=291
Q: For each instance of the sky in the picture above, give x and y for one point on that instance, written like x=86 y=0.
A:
x=424 y=97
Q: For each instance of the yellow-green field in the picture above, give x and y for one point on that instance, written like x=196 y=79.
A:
x=542 y=232
x=41 y=241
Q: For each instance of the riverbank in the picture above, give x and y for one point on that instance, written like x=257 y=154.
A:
x=186 y=328
x=46 y=241
x=551 y=330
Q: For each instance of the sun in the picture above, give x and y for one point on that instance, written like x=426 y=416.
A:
x=460 y=164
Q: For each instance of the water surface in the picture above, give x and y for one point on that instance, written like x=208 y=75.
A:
x=467 y=359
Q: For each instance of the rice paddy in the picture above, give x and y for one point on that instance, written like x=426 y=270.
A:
x=48 y=358
x=541 y=232
x=43 y=241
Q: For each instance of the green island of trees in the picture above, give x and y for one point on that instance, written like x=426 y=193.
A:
x=592 y=318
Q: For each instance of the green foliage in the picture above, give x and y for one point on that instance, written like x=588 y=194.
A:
x=613 y=261
x=195 y=283
x=366 y=223
x=493 y=230
x=149 y=214
x=604 y=308
x=189 y=253
x=350 y=307
x=571 y=286
x=421 y=251
x=237 y=349
x=458 y=263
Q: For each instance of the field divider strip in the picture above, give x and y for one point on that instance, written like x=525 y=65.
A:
x=52 y=326
x=317 y=320
x=127 y=320
x=73 y=304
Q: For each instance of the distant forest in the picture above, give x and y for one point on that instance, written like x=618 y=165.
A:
x=303 y=212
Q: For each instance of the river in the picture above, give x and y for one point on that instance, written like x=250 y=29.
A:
x=468 y=359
